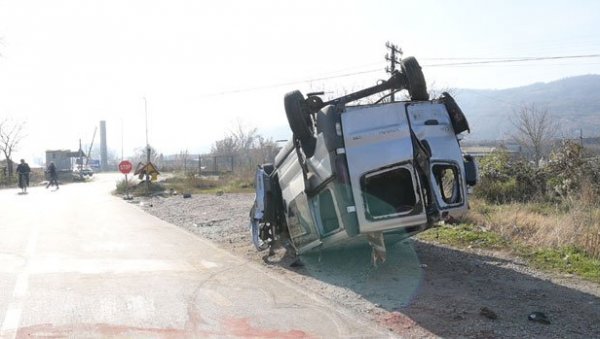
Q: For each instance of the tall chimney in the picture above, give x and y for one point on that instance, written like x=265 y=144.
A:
x=103 y=151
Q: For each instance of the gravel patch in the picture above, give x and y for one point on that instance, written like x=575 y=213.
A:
x=423 y=289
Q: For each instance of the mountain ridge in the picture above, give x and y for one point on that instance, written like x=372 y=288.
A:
x=573 y=101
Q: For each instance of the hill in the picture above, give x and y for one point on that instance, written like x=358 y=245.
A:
x=574 y=101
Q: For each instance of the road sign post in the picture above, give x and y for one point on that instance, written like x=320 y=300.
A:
x=125 y=167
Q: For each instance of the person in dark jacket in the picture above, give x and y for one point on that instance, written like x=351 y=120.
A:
x=23 y=170
x=52 y=174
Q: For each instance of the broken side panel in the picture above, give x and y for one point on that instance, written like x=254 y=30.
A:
x=432 y=126
x=302 y=229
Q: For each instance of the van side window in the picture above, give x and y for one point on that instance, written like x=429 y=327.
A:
x=327 y=211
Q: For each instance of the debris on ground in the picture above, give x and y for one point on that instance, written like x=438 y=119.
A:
x=486 y=312
x=539 y=317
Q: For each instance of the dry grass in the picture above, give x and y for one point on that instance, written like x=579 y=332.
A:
x=538 y=225
x=228 y=183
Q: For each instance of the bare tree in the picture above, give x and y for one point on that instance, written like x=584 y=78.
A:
x=182 y=159
x=246 y=146
x=437 y=91
x=534 y=130
x=141 y=155
x=238 y=140
x=11 y=134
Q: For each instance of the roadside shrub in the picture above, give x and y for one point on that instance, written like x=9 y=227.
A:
x=227 y=183
x=139 y=188
x=191 y=183
x=565 y=170
x=590 y=183
x=122 y=186
x=504 y=180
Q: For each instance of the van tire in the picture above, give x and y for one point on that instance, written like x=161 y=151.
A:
x=417 y=88
x=299 y=119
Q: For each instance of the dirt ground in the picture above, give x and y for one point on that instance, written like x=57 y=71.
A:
x=422 y=290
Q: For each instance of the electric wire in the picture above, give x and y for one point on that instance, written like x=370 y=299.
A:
x=516 y=60
x=479 y=63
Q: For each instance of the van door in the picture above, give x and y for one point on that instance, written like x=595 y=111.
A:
x=379 y=152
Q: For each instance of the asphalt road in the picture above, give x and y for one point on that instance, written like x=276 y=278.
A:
x=78 y=262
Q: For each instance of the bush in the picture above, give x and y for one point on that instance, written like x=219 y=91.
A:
x=139 y=188
x=504 y=180
x=191 y=183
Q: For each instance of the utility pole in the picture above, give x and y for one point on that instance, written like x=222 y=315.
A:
x=122 y=138
x=147 y=144
x=147 y=147
x=394 y=59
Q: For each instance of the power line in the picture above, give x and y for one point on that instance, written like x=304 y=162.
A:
x=529 y=65
x=516 y=60
x=490 y=62
x=283 y=84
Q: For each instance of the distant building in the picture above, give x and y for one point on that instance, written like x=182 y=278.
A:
x=482 y=151
x=63 y=159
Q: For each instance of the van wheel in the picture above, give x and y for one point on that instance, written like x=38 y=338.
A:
x=298 y=115
x=417 y=88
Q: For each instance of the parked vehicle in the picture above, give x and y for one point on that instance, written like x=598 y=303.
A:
x=356 y=173
x=83 y=171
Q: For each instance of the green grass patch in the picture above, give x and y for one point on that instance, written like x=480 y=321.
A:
x=565 y=260
x=232 y=186
x=561 y=260
x=464 y=235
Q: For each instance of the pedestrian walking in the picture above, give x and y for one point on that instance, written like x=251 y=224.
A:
x=23 y=170
x=51 y=170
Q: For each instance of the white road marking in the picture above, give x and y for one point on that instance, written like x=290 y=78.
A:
x=12 y=319
x=11 y=322
x=22 y=285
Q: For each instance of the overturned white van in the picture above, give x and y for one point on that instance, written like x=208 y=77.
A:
x=373 y=173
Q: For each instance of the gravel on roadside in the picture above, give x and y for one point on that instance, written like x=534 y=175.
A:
x=422 y=290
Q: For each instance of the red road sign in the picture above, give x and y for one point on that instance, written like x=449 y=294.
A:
x=125 y=167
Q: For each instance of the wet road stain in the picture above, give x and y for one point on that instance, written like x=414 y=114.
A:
x=51 y=331
x=243 y=328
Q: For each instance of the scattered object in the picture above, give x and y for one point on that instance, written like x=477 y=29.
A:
x=219 y=193
x=377 y=247
x=486 y=312
x=539 y=317
x=423 y=265
x=187 y=195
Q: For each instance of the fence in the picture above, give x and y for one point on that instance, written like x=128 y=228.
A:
x=202 y=165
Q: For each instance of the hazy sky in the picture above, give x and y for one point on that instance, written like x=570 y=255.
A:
x=204 y=65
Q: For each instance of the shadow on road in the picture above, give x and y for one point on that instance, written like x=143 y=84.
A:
x=443 y=290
